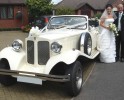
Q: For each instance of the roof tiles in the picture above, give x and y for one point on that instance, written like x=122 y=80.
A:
x=12 y=1
x=96 y=4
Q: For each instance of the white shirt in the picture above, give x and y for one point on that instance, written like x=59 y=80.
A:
x=119 y=21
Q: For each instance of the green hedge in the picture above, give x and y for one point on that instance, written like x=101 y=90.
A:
x=64 y=11
x=98 y=15
x=10 y=29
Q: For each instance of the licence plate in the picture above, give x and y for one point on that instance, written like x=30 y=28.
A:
x=29 y=80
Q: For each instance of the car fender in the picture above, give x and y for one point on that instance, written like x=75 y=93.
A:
x=14 y=58
x=67 y=58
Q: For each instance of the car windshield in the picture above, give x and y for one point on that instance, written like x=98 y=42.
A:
x=73 y=22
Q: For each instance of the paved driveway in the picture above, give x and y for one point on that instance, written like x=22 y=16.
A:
x=7 y=37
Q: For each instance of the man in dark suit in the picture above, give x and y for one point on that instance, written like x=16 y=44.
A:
x=119 y=21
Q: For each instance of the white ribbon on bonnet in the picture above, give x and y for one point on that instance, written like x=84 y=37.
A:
x=35 y=31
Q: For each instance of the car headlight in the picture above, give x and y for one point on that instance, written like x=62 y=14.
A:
x=56 y=47
x=17 y=45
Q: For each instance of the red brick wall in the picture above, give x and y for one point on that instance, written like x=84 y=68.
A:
x=15 y=23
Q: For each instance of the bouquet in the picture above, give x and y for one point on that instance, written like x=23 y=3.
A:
x=113 y=28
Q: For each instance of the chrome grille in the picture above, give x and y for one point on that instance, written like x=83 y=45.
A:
x=30 y=52
x=43 y=52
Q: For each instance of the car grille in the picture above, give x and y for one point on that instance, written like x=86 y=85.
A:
x=30 y=52
x=43 y=52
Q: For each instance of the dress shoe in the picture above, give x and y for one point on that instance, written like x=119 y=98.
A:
x=122 y=59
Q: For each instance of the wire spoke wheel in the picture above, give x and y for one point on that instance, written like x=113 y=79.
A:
x=79 y=78
x=88 y=44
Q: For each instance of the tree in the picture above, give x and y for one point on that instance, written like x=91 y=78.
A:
x=98 y=15
x=64 y=11
x=37 y=8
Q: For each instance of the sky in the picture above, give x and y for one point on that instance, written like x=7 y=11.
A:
x=56 y=1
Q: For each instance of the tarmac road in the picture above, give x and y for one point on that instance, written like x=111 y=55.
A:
x=23 y=91
x=105 y=83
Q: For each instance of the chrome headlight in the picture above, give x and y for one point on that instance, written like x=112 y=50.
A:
x=17 y=45
x=56 y=47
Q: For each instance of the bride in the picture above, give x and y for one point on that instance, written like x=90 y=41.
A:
x=107 y=38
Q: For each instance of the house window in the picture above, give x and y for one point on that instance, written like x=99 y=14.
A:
x=6 y=12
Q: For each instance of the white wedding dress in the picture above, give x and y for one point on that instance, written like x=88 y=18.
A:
x=107 y=43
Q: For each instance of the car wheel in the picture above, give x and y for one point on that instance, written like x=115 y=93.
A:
x=76 y=78
x=6 y=80
x=87 y=44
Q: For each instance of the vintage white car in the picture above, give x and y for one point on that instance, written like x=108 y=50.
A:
x=55 y=53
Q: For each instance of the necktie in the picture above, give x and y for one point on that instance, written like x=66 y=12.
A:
x=119 y=23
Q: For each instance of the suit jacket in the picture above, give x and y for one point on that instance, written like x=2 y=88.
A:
x=122 y=24
x=122 y=21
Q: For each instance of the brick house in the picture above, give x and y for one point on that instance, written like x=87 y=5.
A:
x=13 y=13
x=87 y=7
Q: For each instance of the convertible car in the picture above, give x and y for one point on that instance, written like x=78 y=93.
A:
x=55 y=53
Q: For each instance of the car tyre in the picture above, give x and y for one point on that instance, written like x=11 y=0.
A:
x=6 y=80
x=76 y=78
x=87 y=44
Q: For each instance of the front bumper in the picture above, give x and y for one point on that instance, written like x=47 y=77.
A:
x=56 y=78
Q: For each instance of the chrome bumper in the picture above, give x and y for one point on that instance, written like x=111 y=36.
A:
x=56 y=78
